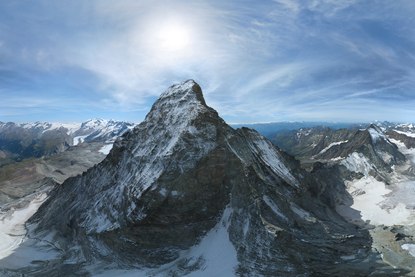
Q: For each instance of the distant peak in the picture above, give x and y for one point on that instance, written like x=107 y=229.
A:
x=374 y=126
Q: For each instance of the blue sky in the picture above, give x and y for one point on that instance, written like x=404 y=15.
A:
x=257 y=61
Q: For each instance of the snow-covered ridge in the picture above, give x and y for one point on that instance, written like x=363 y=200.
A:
x=406 y=125
x=71 y=128
x=272 y=158
x=101 y=130
x=331 y=145
x=46 y=126
x=377 y=134
x=183 y=91
x=174 y=110
x=43 y=126
x=91 y=130
x=408 y=134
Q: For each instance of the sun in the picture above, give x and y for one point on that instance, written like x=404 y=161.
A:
x=167 y=41
x=173 y=37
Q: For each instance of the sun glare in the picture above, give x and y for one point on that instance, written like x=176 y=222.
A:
x=173 y=37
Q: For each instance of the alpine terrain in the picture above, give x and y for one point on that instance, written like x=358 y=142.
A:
x=378 y=168
x=184 y=194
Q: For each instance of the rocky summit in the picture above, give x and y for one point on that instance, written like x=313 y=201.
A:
x=185 y=194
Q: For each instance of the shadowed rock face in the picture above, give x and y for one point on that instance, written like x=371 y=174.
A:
x=408 y=141
x=167 y=183
x=324 y=145
x=308 y=142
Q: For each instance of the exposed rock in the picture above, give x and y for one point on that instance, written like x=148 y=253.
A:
x=407 y=140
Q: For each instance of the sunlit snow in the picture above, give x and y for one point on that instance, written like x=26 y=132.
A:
x=410 y=248
x=12 y=229
x=106 y=149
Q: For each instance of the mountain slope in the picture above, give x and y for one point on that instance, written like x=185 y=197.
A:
x=377 y=166
x=181 y=181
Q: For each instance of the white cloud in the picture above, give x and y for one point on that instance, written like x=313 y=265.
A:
x=281 y=76
x=292 y=5
x=263 y=60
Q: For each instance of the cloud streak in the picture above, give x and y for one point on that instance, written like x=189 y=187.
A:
x=278 y=60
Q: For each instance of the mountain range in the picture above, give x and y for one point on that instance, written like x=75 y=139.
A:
x=26 y=140
x=185 y=194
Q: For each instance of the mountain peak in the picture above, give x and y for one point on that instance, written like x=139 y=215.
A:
x=179 y=105
x=187 y=90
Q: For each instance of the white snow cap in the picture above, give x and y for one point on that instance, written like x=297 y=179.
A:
x=183 y=90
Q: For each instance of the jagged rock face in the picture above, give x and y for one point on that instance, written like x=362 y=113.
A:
x=369 y=145
x=168 y=182
x=407 y=140
x=372 y=144
x=174 y=159
x=308 y=142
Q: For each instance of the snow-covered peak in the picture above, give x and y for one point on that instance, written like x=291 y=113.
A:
x=406 y=125
x=94 y=123
x=100 y=130
x=407 y=129
x=186 y=91
x=46 y=126
x=177 y=107
x=91 y=130
x=376 y=133
x=174 y=114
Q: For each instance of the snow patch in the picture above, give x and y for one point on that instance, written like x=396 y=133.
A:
x=410 y=248
x=331 y=145
x=270 y=156
x=12 y=226
x=375 y=134
x=357 y=162
x=274 y=207
x=79 y=139
x=336 y=159
x=302 y=213
x=370 y=198
x=409 y=152
x=105 y=149
x=217 y=251
x=246 y=226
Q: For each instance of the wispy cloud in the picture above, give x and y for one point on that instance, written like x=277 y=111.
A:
x=262 y=61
